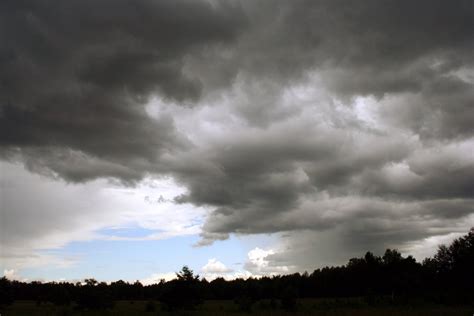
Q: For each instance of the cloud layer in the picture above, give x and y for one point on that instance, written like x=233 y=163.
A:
x=350 y=123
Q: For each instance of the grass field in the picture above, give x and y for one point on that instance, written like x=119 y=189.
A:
x=304 y=307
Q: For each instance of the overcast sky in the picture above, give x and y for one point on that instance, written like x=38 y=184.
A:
x=238 y=137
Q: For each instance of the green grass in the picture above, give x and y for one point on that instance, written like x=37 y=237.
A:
x=320 y=307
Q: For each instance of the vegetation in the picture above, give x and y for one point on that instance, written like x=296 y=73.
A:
x=370 y=285
x=319 y=307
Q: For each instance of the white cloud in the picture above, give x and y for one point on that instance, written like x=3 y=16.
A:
x=259 y=263
x=12 y=274
x=40 y=213
x=157 y=277
x=214 y=269
x=257 y=257
x=215 y=266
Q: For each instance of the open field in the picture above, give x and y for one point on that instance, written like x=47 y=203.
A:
x=305 y=307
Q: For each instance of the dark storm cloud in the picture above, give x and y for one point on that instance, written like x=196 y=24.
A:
x=371 y=48
x=408 y=56
x=284 y=80
x=280 y=180
x=75 y=75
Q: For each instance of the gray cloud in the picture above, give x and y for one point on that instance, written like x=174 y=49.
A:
x=378 y=48
x=75 y=76
x=312 y=118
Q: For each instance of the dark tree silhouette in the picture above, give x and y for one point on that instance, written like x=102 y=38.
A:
x=6 y=293
x=451 y=268
x=187 y=275
x=182 y=293
x=94 y=295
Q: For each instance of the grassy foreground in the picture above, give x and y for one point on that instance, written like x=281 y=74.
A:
x=304 y=307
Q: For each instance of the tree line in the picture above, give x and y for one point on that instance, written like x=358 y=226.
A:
x=447 y=277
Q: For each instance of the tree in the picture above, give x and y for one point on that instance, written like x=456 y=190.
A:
x=94 y=295
x=455 y=258
x=182 y=293
x=6 y=297
x=450 y=270
x=392 y=257
x=187 y=274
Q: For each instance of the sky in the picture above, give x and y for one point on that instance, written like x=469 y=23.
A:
x=240 y=138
